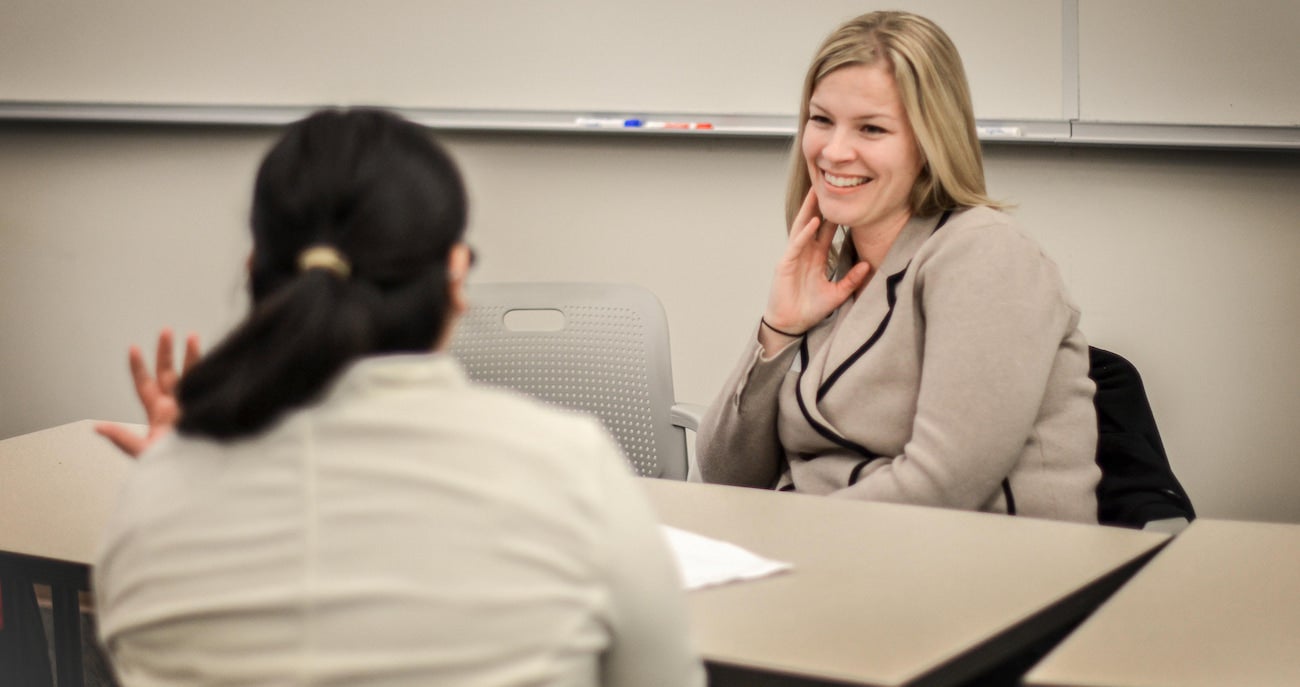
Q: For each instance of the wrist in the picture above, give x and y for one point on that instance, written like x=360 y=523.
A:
x=783 y=332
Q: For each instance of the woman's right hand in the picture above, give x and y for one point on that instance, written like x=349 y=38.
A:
x=802 y=295
x=157 y=394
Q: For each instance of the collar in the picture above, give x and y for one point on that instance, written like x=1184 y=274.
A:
x=915 y=233
x=398 y=371
x=909 y=240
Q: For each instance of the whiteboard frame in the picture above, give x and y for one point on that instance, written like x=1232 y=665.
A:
x=1072 y=132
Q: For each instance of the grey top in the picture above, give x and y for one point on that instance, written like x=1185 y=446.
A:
x=958 y=378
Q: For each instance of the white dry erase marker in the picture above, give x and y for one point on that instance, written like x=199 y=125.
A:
x=999 y=131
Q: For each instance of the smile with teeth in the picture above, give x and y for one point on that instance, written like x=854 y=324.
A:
x=843 y=182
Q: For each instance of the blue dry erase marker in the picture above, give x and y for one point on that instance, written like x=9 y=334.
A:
x=607 y=122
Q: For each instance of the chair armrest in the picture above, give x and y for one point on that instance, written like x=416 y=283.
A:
x=686 y=415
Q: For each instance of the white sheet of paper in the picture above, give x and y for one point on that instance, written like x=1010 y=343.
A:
x=705 y=562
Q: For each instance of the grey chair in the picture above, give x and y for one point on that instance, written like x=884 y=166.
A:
x=597 y=348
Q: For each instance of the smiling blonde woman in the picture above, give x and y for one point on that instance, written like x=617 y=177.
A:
x=933 y=357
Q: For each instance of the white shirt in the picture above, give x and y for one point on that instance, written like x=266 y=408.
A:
x=409 y=529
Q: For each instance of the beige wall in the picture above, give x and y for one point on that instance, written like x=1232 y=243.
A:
x=1181 y=260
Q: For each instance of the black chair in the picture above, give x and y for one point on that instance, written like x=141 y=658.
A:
x=1137 y=485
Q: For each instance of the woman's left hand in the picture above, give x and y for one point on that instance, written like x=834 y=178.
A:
x=802 y=294
x=157 y=394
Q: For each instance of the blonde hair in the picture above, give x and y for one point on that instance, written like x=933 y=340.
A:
x=936 y=99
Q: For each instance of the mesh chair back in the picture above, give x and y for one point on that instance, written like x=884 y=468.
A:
x=603 y=349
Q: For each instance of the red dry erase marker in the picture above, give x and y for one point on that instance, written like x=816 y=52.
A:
x=679 y=125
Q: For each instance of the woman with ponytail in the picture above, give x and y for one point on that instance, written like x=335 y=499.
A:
x=338 y=504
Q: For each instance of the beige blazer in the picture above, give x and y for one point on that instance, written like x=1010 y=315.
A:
x=957 y=378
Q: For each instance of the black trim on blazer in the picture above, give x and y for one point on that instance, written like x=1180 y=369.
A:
x=891 y=285
x=1006 y=492
x=857 y=472
x=826 y=432
x=891 y=297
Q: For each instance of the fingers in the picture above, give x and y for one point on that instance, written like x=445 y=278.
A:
x=798 y=257
x=853 y=278
x=164 y=355
x=804 y=234
x=806 y=212
x=192 y=352
x=809 y=208
x=126 y=441
x=827 y=237
x=155 y=388
x=140 y=374
x=164 y=367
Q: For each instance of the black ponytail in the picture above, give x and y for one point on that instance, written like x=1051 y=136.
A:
x=377 y=191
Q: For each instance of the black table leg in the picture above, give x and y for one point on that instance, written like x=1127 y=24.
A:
x=24 y=656
x=67 y=637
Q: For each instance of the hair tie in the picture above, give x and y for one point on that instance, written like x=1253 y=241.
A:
x=325 y=258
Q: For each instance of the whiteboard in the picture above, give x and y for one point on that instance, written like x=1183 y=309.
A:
x=1190 y=62
x=708 y=56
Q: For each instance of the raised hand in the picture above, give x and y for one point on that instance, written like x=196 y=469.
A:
x=157 y=394
x=802 y=295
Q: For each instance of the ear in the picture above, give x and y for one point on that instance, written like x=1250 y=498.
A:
x=458 y=262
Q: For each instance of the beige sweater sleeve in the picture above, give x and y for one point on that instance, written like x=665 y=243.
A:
x=737 y=439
